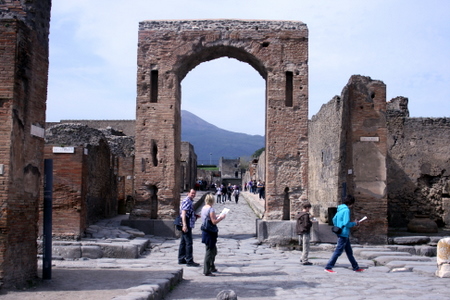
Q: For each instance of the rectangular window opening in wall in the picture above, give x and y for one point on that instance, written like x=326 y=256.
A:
x=154 y=86
x=289 y=88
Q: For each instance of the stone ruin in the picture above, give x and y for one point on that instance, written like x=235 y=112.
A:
x=168 y=50
x=359 y=154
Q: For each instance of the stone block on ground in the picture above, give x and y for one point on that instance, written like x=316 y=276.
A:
x=119 y=250
x=426 y=250
x=403 y=248
x=67 y=252
x=443 y=258
x=383 y=260
x=411 y=240
x=92 y=252
x=226 y=295
x=374 y=254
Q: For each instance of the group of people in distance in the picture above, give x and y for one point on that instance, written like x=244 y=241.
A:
x=256 y=187
x=304 y=222
x=224 y=193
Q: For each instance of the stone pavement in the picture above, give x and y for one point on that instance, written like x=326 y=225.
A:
x=251 y=269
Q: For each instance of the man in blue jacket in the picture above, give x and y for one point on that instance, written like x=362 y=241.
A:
x=342 y=220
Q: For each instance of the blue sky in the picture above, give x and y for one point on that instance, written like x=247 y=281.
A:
x=404 y=43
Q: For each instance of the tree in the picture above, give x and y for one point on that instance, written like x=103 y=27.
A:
x=258 y=152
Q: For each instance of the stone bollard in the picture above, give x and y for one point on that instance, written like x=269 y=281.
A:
x=443 y=258
x=226 y=295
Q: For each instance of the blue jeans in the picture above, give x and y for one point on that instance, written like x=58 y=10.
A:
x=185 y=251
x=343 y=243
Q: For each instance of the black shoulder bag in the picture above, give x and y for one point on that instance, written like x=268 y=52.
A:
x=208 y=226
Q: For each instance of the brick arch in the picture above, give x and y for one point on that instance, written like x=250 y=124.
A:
x=186 y=63
x=167 y=51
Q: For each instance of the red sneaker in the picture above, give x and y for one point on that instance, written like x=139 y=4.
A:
x=329 y=271
x=359 y=270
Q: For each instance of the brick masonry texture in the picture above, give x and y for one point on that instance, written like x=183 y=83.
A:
x=168 y=50
x=23 y=88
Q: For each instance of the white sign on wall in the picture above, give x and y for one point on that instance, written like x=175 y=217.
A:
x=63 y=149
x=37 y=131
x=369 y=139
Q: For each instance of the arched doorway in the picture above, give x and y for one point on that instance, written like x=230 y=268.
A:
x=168 y=50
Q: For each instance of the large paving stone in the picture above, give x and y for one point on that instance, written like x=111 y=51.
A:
x=426 y=250
x=119 y=250
x=92 y=252
x=374 y=254
x=383 y=260
x=67 y=251
x=411 y=240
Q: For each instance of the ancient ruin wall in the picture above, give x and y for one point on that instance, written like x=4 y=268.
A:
x=418 y=166
x=366 y=154
x=24 y=27
x=86 y=186
x=188 y=166
x=348 y=152
x=325 y=158
x=168 y=50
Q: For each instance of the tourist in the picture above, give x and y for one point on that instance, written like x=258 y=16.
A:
x=219 y=194
x=224 y=193
x=303 y=227
x=188 y=216
x=209 y=238
x=342 y=220
x=261 y=189
x=236 y=194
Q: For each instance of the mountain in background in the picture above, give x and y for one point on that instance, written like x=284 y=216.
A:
x=207 y=138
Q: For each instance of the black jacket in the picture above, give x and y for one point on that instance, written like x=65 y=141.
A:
x=304 y=223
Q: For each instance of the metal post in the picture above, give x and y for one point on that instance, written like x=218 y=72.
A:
x=48 y=195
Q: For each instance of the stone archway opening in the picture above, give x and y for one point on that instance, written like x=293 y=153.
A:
x=229 y=94
x=168 y=50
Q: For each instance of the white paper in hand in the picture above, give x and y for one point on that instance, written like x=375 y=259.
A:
x=224 y=212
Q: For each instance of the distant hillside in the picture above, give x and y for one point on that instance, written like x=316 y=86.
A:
x=207 y=138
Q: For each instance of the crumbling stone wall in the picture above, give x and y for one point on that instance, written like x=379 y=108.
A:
x=24 y=27
x=418 y=166
x=326 y=157
x=126 y=127
x=168 y=50
x=188 y=166
x=348 y=145
x=229 y=167
x=85 y=188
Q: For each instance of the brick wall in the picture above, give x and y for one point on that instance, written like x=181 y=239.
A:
x=23 y=89
x=85 y=182
x=168 y=50
x=69 y=193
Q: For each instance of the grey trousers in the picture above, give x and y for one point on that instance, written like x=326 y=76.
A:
x=303 y=239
